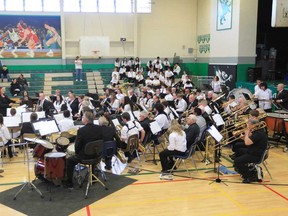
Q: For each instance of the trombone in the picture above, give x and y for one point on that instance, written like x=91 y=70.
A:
x=239 y=133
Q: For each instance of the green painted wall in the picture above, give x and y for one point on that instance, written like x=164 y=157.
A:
x=242 y=71
x=197 y=69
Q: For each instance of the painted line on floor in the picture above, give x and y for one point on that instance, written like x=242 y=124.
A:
x=277 y=193
x=88 y=211
x=11 y=183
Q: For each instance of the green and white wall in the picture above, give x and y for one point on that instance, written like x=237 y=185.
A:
x=172 y=27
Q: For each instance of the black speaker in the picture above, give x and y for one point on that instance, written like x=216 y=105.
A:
x=254 y=74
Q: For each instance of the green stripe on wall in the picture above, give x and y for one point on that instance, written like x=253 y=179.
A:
x=242 y=71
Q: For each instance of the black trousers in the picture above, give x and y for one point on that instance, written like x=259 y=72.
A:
x=166 y=158
x=241 y=162
x=8 y=144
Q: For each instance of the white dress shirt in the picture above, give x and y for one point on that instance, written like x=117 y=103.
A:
x=177 y=142
x=4 y=134
x=162 y=121
x=181 y=106
x=264 y=95
x=129 y=129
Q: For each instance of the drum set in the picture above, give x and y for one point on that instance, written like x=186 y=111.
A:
x=51 y=159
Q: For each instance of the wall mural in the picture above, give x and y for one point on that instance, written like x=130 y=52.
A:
x=30 y=36
x=226 y=74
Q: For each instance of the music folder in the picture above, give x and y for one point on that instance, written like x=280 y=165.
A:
x=212 y=130
x=26 y=116
x=58 y=117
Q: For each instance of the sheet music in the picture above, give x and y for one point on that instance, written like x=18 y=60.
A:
x=58 y=117
x=19 y=110
x=26 y=116
x=96 y=122
x=46 y=127
x=154 y=127
x=215 y=133
x=10 y=121
x=218 y=119
x=115 y=122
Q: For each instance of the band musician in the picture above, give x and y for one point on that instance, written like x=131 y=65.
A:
x=130 y=128
x=86 y=134
x=256 y=142
x=282 y=96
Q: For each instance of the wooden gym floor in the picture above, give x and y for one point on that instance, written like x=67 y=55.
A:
x=182 y=196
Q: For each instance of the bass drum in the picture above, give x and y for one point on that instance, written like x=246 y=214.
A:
x=242 y=93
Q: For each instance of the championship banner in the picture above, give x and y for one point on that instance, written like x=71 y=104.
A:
x=30 y=36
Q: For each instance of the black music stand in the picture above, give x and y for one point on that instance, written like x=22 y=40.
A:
x=218 y=137
x=156 y=131
x=29 y=183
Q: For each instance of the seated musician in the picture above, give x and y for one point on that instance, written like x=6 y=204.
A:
x=72 y=103
x=145 y=123
x=230 y=104
x=6 y=137
x=27 y=127
x=108 y=134
x=282 y=96
x=86 y=134
x=130 y=128
x=192 y=102
x=256 y=141
x=201 y=122
x=176 y=146
x=67 y=123
x=192 y=132
x=45 y=104
x=253 y=115
x=161 y=117
x=182 y=105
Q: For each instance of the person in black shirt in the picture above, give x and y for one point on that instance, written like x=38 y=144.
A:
x=86 y=134
x=15 y=88
x=256 y=142
x=5 y=102
x=109 y=134
x=192 y=132
x=4 y=73
x=282 y=96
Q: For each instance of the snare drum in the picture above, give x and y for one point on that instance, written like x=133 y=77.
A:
x=41 y=149
x=274 y=122
x=54 y=163
x=62 y=144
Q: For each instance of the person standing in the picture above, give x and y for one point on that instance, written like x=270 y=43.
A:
x=5 y=102
x=78 y=68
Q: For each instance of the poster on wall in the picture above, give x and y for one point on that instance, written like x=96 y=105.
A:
x=226 y=74
x=30 y=36
x=224 y=14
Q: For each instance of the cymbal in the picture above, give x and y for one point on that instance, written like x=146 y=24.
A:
x=42 y=142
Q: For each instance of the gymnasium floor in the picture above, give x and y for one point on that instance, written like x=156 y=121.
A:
x=182 y=196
